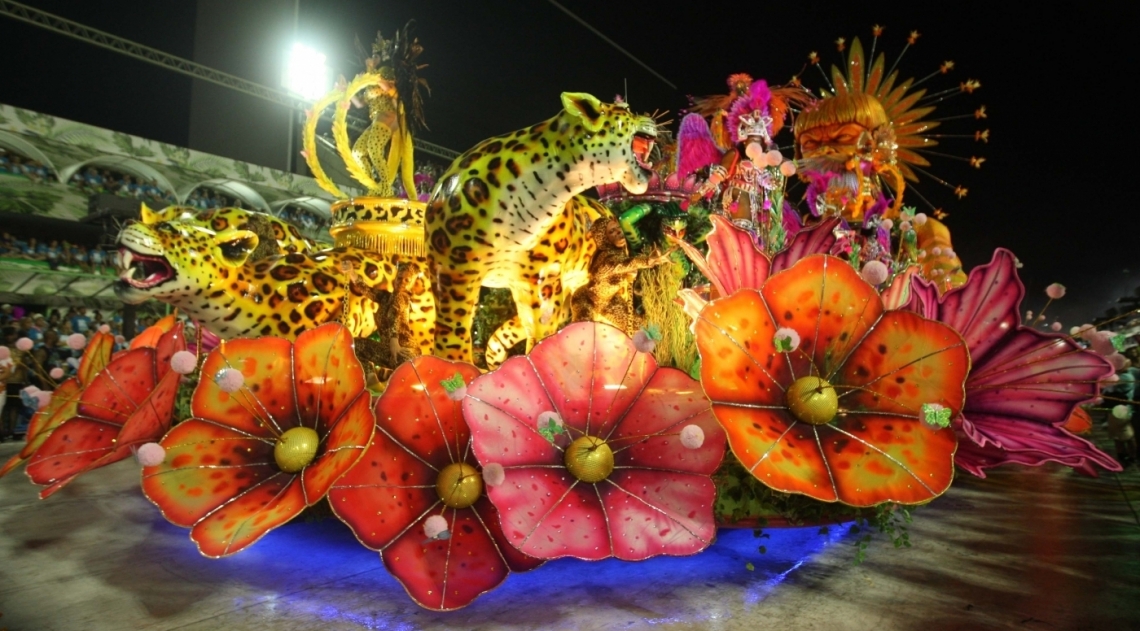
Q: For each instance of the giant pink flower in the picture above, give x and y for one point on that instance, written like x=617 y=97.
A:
x=568 y=497
x=1024 y=384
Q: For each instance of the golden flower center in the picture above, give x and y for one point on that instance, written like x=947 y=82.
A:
x=296 y=449
x=459 y=485
x=812 y=400
x=590 y=459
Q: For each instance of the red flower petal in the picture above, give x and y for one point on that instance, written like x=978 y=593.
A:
x=546 y=513
x=592 y=395
x=651 y=513
x=115 y=393
x=247 y=517
x=71 y=449
x=416 y=411
x=327 y=375
x=817 y=239
x=387 y=491
x=827 y=303
x=739 y=362
x=734 y=258
x=206 y=465
x=342 y=447
x=902 y=363
x=447 y=574
x=779 y=451
x=503 y=410
x=95 y=357
x=267 y=398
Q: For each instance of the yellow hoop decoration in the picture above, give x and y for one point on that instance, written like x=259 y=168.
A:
x=309 y=140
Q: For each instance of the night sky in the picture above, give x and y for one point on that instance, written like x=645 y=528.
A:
x=1052 y=189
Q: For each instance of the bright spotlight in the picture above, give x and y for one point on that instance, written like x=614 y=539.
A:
x=306 y=74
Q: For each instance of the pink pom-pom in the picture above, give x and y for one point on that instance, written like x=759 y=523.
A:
x=887 y=224
x=1056 y=326
x=947 y=252
x=904 y=226
x=1056 y=291
x=435 y=527
x=1028 y=315
x=104 y=328
x=643 y=342
x=1086 y=332
x=183 y=362
x=43 y=398
x=32 y=390
x=1101 y=343
x=493 y=474
x=788 y=169
x=1113 y=378
x=1119 y=362
x=755 y=152
x=25 y=344
x=545 y=418
x=229 y=379
x=875 y=272
x=5 y=353
x=151 y=455
x=56 y=373
x=786 y=339
x=692 y=437
x=458 y=394
x=76 y=341
x=119 y=339
x=936 y=251
x=775 y=158
x=920 y=219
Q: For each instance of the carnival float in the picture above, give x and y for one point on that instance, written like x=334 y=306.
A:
x=692 y=345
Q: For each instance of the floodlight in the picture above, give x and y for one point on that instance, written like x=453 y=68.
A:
x=306 y=74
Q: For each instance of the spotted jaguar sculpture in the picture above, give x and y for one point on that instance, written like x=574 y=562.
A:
x=247 y=274
x=498 y=212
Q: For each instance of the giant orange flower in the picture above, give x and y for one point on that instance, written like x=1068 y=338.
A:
x=262 y=447
x=858 y=411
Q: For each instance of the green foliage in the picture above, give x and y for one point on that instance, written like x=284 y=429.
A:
x=185 y=394
x=887 y=518
x=743 y=498
x=453 y=383
x=244 y=172
x=178 y=156
x=127 y=144
x=551 y=430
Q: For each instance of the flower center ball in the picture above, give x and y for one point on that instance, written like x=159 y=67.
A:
x=459 y=485
x=590 y=459
x=296 y=449
x=812 y=400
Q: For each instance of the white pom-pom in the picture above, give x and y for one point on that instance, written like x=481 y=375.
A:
x=183 y=362
x=1122 y=412
x=786 y=339
x=435 y=527
x=150 y=455
x=643 y=342
x=458 y=394
x=920 y=219
x=229 y=379
x=875 y=272
x=56 y=373
x=692 y=437
x=493 y=474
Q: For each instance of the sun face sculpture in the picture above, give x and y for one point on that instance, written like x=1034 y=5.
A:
x=418 y=475
x=274 y=425
x=603 y=453
x=822 y=392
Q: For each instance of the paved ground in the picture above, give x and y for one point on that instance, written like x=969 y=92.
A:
x=1024 y=549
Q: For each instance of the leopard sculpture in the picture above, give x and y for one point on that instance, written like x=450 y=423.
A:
x=203 y=263
x=556 y=283
x=490 y=219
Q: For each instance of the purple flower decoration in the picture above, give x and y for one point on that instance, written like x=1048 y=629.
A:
x=1024 y=384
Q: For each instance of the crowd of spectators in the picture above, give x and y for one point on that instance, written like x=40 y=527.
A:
x=56 y=253
x=206 y=198
x=12 y=163
x=92 y=181
x=304 y=218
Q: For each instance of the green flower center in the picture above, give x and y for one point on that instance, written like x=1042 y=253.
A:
x=589 y=459
x=812 y=400
x=296 y=449
x=459 y=485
